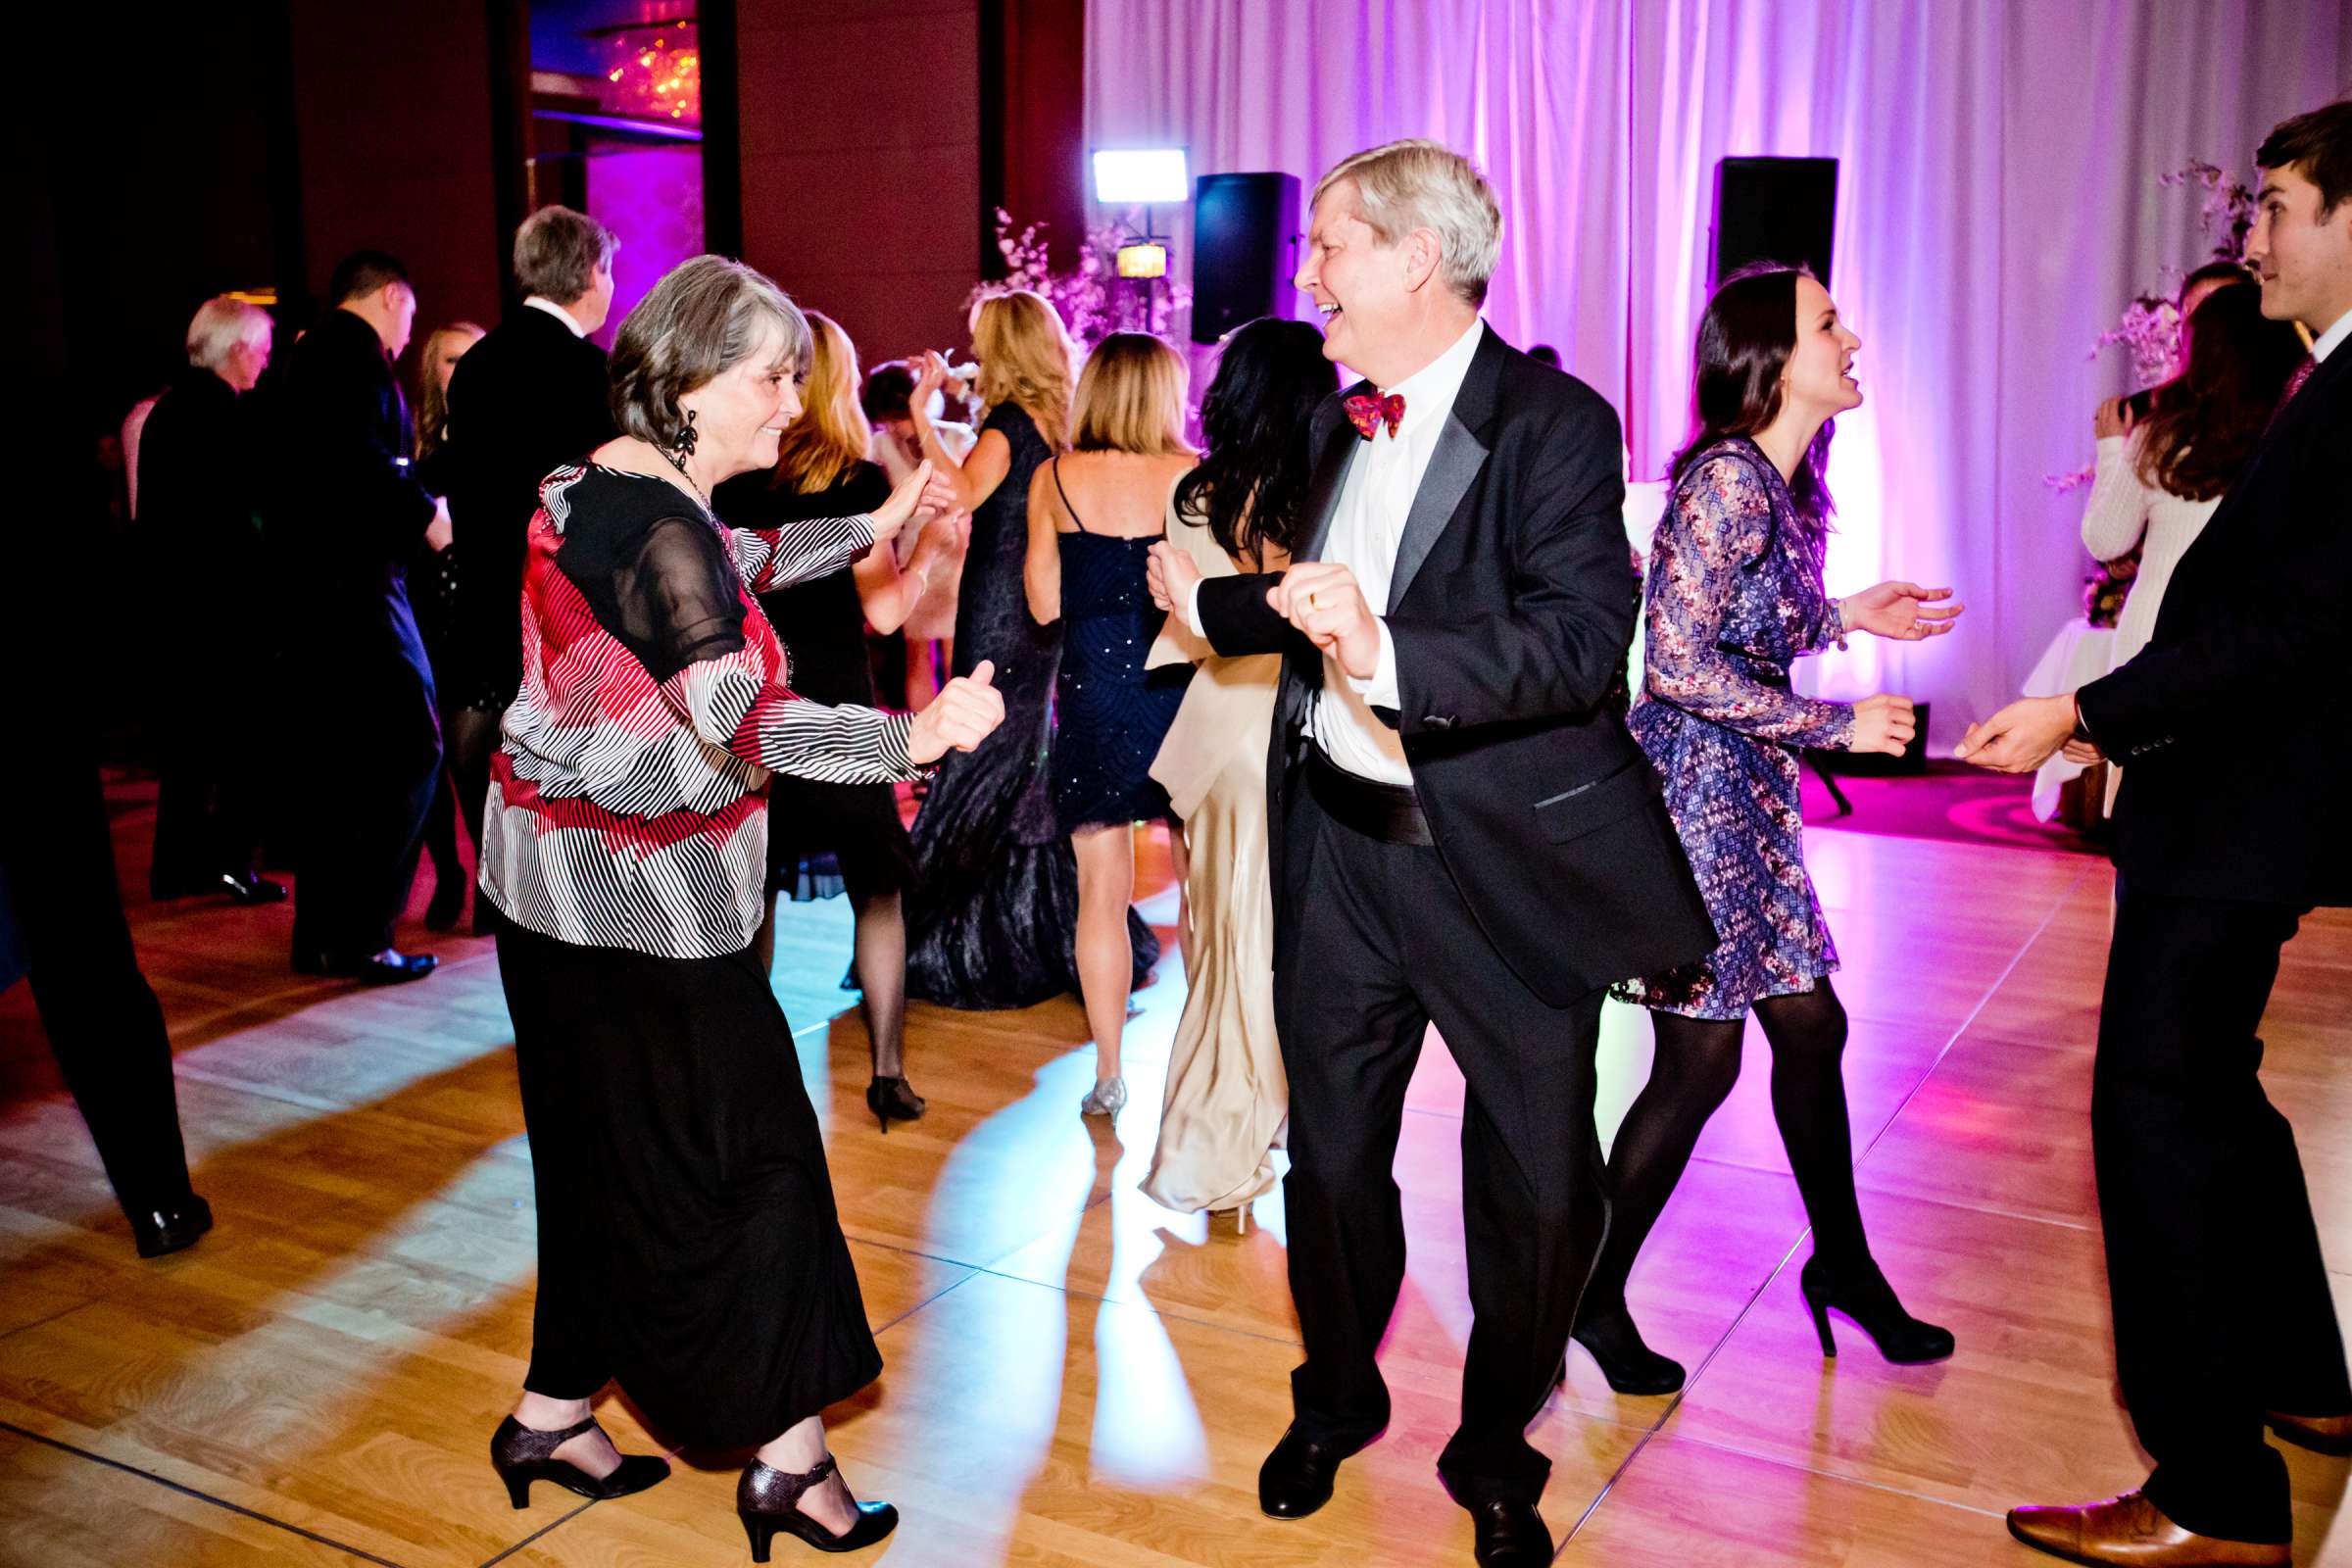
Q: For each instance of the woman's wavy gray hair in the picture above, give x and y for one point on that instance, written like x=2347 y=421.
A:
x=704 y=318
x=1417 y=183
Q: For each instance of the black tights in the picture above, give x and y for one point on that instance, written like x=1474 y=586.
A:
x=1692 y=1070
x=878 y=946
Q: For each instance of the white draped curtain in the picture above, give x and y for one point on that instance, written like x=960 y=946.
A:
x=1997 y=205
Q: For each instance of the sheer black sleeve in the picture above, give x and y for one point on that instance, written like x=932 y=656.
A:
x=678 y=596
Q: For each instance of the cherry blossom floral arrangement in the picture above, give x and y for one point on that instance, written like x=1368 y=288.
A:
x=1093 y=301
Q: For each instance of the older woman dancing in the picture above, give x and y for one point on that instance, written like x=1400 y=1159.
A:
x=688 y=1247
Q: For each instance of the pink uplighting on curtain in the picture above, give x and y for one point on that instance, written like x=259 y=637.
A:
x=1997 y=205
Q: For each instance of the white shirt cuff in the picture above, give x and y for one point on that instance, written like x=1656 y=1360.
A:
x=1191 y=610
x=1381 y=690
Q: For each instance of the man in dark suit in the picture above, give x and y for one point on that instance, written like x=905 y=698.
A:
x=2230 y=829
x=346 y=520
x=197 y=486
x=1461 y=829
x=529 y=398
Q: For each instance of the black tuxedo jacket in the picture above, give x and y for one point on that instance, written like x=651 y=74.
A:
x=524 y=401
x=1511 y=609
x=2230 y=725
x=348 y=512
x=197 y=500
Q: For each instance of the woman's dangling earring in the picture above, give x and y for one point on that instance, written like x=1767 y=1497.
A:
x=684 y=444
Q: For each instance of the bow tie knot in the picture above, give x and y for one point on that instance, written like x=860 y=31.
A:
x=1368 y=413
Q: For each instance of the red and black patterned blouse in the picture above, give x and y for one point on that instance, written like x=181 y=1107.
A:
x=626 y=801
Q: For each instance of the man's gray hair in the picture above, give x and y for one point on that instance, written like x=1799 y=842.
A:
x=220 y=324
x=707 y=316
x=1418 y=183
x=559 y=252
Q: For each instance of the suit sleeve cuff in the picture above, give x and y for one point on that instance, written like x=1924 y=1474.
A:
x=1381 y=690
x=1192 y=609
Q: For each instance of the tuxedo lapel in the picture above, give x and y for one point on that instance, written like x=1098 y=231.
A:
x=1336 y=442
x=1452 y=468
x=1460 y=454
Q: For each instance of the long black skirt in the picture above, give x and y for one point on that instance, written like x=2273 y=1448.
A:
x=689 y=1247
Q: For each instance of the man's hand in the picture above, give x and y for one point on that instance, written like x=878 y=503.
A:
x=1171 y=576
x=1321 y=598
x=963 y=716
x=438 y=533
x=2021 y=737
x=1903 y=611
x=2082 y=754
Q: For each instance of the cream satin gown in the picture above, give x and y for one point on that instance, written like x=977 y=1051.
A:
x=1227 y=1100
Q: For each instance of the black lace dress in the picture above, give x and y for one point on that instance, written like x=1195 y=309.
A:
x=993 y=920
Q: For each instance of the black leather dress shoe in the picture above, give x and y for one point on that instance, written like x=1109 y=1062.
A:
x=1510 y=1533
x=1296 y=1478
x=389 y=967
x=240 y=887
x=174 y=1229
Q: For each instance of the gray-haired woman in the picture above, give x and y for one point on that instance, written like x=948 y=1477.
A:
x=688 y=1242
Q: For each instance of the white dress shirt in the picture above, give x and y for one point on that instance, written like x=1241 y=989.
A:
x=1383 y=474
x=2330 y=341
x=540 y=302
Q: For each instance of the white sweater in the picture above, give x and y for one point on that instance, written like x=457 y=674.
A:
x=2123 y=508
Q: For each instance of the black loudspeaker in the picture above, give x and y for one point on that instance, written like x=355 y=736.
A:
x=1775 y=210
x=1243 y=226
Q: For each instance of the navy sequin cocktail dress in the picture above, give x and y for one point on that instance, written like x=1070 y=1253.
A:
x=1111 y=713
x=1733 y=595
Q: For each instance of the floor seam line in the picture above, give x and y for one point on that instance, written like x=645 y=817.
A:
x=186 y=1490
x=538 y=1533
x=1974 y=1013
x=1835 y=1475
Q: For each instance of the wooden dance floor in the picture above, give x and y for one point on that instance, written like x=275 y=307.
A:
x=1077 y=1377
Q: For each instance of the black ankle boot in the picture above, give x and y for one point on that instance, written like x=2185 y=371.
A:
x=1861 y=1292
x=524 y=1454
x=767 y=1500
x=1630 y=1365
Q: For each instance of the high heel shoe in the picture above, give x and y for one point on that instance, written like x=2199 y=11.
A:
x=1631 y=1366
x=1106 y=1099
x=1239 y=1215
x=1862 y=1293
x=891 y=1098
x=524 y=1454
x=767 y=1501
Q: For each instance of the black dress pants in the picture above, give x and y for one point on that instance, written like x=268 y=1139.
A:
x=102 y=1019
x=376 y=747
x=2220 y=1297
x=1383 y=947
x=206 y=809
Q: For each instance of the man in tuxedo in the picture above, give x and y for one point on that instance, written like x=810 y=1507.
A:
x=197 y=468
x=346 y=520
x=2228 y=830
x=1461 y=829
x=530 y=397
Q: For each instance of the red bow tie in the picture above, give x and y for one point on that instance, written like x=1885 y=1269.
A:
x=1364 y=412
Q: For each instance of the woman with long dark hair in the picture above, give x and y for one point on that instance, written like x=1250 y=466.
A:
x=1236 y=511
x=1733 y=595
x=2161 y=477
